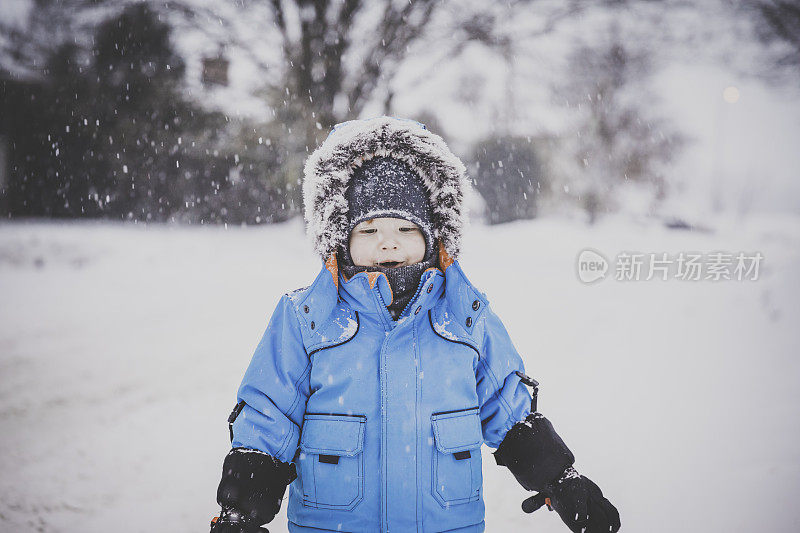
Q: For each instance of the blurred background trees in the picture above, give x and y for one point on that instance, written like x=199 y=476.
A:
x=106 y=130
x=508 y=173
x=204 y=112
x=618 y=140
x=778 y=25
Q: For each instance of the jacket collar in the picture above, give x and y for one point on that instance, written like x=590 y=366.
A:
x=322 y=305
x=370 y=293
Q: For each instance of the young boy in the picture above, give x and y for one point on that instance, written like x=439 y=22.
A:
x=374 y=388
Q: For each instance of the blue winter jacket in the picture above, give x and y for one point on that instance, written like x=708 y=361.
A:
x=383 y=419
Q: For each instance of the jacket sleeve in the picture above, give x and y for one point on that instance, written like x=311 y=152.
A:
x=275 y=388
x=504 y=400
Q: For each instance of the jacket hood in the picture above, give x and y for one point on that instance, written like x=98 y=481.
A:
x=328 y=171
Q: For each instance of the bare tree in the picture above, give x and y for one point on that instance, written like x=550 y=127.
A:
x=338 y=56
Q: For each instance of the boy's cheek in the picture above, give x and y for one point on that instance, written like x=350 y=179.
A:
x=359 y=252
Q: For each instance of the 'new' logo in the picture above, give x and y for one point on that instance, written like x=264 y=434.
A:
x=591 y=266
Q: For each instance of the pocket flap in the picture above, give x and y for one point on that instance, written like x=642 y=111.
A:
x=457 y=431
x=340 y=435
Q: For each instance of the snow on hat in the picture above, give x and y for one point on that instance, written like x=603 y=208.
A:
x=330 y=168
x=387 y=187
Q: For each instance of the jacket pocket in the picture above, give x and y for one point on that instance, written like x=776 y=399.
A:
x=457 y=475
x=332 y=461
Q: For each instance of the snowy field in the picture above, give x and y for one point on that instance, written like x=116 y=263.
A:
x=121 y=348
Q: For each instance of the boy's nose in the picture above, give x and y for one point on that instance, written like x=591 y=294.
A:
x=388 y=243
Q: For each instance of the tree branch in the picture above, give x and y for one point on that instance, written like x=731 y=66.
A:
x=396 y=32
x=280 y=21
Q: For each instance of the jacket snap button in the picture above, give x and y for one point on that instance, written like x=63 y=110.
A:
x=418 y=310
x=430 y=288
x=305 y=308
x=312 y=324
x=469 y=321
x=475 y=305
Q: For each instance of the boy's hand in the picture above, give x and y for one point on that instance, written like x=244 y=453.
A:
x=232 y=522
x=535 y=454
x=250 y=492
x=579 y=502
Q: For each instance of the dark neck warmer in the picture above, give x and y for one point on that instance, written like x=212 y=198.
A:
x=404 y=281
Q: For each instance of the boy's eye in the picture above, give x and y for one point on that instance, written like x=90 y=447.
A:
x=369 y=230
x=408 y=229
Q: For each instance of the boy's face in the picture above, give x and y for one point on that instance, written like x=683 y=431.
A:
x=387 y=242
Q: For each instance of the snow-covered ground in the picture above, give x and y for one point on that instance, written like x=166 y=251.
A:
x=121 y=348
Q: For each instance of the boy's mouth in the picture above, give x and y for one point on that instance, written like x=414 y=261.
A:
x=389 y=264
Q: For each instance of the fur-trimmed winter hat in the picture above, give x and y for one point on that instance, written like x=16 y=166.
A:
x=330 y=169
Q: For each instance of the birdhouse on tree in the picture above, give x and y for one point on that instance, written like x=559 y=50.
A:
x=215 y=70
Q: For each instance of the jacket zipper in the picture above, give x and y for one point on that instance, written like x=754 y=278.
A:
x=386 y=315
x=385 y=310
x=382 y=374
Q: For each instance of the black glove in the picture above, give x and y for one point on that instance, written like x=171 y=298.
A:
x=250 y=491
x=230 y=521
x=579 y=502
x=540 y=461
